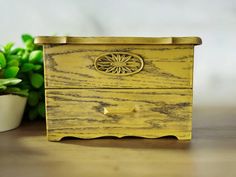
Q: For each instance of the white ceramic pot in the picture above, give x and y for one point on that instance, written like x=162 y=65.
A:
x=11 y=111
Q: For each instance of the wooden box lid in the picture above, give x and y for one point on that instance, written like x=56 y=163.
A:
x=117 y=40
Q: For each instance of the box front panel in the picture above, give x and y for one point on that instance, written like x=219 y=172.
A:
x=118 y=66
x=91 y=113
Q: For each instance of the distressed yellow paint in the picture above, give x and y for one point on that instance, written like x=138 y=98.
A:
x=72 y=66
x=80 y=113
x=151 y=101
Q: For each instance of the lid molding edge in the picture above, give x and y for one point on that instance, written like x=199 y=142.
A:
x=116 y=40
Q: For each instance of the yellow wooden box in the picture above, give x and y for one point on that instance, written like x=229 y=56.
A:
x=118 y=86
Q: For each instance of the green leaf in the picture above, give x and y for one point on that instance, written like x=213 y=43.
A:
x=2 y=87
x=16 y=50
x=13 y=57
x=2 y=60
x=28 y=41
x=17 y=91
x=37 y=67
x=20 y=52
x=13 y=63
x=29 y=45
x=36 y=56
x=27 y=67
x=41 y=109
x=11 y=72
x=25 y=56
x=33 y=98
x=5 y=82
x=10 y=81
x=36 y=80
x=7 y=47
x=27 y=37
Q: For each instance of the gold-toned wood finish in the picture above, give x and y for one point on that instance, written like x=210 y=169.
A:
x=91 y=113
x=119 y=63
x=118 y=86
x=117 y=40
x=72 y=66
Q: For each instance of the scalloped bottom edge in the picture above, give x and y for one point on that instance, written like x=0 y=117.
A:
x=179 y=136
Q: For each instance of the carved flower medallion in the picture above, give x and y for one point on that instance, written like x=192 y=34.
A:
x=119 y=63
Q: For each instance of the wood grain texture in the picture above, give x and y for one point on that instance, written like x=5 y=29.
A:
x=91 y=113
x=72 y=66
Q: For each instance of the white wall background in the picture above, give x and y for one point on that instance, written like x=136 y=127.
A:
x=213 y=20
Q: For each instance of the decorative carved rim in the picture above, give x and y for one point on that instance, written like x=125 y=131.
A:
x=119 y=63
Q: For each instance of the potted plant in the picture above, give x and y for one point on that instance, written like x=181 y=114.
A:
x=21 y=79
x=12 y=104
